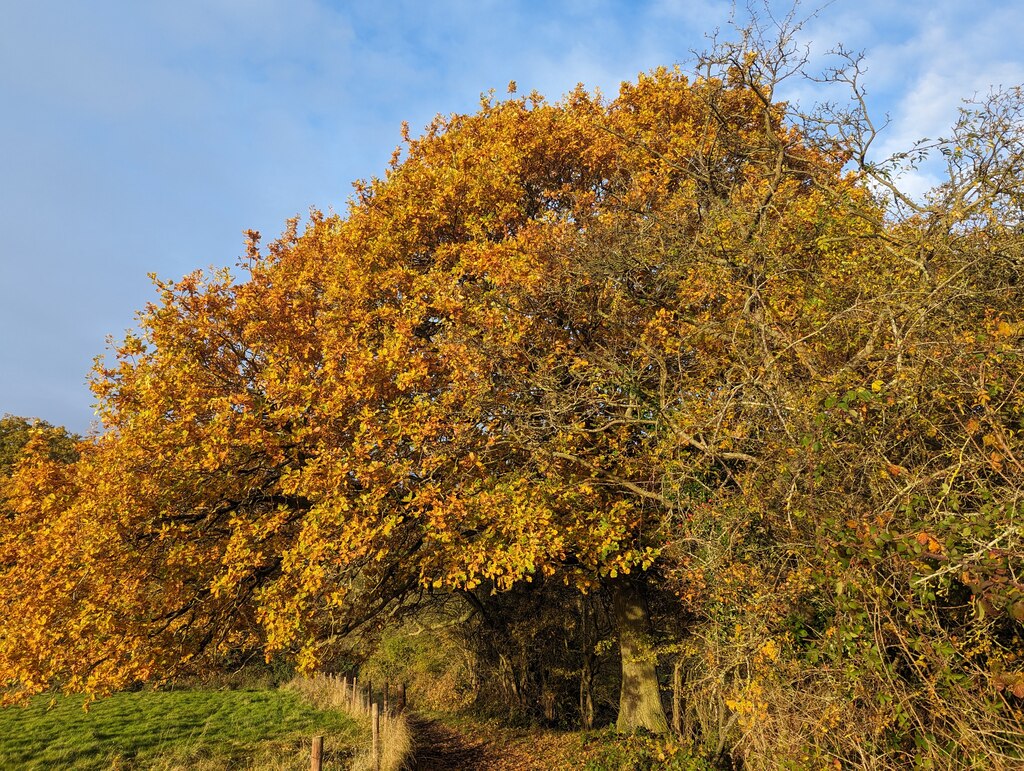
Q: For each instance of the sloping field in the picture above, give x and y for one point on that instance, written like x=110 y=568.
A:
x=195 y=729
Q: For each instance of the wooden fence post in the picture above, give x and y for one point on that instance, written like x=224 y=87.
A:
x=316 y=760
x=385 y=698
x=400 y=701
x=375 y=712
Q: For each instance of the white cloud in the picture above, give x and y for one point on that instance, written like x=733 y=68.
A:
x=146 y=136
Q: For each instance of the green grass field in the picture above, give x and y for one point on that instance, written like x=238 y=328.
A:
x=266 y=729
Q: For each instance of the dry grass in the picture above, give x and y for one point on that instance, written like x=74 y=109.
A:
x=327 y=692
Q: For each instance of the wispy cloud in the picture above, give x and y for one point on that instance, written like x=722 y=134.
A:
x=146 y=136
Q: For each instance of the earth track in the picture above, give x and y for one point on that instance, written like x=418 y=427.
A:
x=438 y=746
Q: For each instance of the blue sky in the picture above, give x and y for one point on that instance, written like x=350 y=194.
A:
x=146 y=137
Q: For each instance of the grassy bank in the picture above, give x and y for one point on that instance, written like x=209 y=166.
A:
x=266 y=729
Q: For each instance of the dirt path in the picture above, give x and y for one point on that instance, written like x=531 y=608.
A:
x=439 y=747
x=489 y=747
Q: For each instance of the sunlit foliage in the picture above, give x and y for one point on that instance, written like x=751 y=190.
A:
x=686 y=334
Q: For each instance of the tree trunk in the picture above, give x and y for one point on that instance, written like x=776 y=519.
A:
x=511 y=681
x=587 y=670
x=640 y=698
x=587 y=693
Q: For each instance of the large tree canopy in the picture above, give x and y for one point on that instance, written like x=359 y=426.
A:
x=482 y=372
x=553 y=340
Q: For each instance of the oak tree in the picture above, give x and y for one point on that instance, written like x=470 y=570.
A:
x=564 y=340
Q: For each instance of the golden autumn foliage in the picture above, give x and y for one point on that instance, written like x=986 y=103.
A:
x=673 y=335
x=469 y=378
